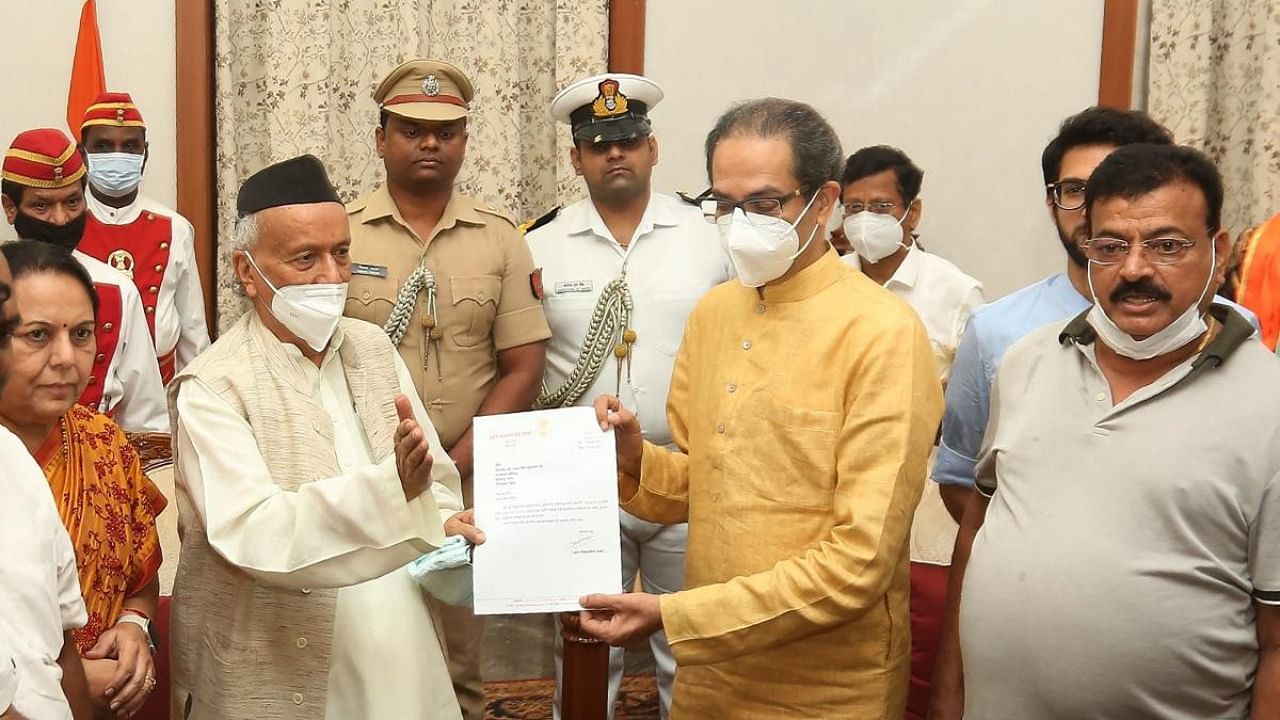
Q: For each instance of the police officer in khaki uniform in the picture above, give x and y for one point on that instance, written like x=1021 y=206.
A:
x=452 y=282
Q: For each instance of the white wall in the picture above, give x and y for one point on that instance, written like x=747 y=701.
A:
x=37 y=41
x=970 y=89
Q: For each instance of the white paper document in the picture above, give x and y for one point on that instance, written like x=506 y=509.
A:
x=546 y=492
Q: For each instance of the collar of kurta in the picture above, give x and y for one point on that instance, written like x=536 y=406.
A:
x=458 y=210
x=288 y=360
x=819 y=276
x=909 y=270
x=586 y=218
x=1235 y=331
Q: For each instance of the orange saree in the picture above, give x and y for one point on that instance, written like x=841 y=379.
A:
x=109 y=508
x=1258 y=287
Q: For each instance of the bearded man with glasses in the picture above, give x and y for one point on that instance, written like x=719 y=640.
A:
x=804 y=402
x=1130 y=481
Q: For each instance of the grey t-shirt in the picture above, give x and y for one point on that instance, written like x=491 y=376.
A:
x=1125 y=545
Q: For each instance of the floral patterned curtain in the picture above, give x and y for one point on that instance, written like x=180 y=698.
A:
x=297 y=76
x=1215 y=82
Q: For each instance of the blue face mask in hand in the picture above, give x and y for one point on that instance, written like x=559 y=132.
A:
x=445 y=572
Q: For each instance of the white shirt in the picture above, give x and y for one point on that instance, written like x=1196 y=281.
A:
x=180 y=322
x=672 y=260
x=941 y=294
x=132 y=387
x=39 y=588
x=944 y=297
x=387 y=661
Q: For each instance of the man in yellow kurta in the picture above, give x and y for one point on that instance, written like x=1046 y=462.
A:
x=805 y=399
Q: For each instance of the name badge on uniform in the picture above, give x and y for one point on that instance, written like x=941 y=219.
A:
x=369 y=270
x=574 y=286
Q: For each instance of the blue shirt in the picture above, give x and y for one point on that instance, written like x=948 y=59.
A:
x=992 y=329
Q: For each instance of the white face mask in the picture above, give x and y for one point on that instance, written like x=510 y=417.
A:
x=874 y=236
x=115 y=174
x=762 y=247
x=1183 y=330
x=310 y=311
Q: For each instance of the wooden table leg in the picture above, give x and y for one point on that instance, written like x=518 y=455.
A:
x=585 y=694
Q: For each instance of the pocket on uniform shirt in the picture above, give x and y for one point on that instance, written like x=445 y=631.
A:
x=371 y=298
x=475 y=301
x=798 y=465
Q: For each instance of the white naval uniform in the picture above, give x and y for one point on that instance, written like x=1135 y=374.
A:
x=672 y=260
x=39 y=588
x=944 y=297
x=179 y=315
x=132 y=391
x=387 y=661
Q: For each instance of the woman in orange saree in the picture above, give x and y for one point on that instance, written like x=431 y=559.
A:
x=105 y=501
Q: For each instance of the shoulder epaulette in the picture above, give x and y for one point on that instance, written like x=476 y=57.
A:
x=532 y=225
x=358 y=204
x=695 y=200
x=490 y=210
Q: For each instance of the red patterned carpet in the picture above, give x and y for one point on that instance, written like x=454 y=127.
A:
x=531 y=699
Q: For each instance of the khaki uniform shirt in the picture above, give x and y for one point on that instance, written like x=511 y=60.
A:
x=484 y=297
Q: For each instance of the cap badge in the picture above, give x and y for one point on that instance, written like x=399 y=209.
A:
x=120 y=114
x=121 y=261
x=610 y=102
x=57 y=172
x=431 y=86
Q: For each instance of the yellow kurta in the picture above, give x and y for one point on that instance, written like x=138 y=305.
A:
x=807 y=418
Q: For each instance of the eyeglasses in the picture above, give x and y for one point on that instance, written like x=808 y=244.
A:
x=1161 y=251
x=717 y=210
x=879 y=208
x=1067 y=194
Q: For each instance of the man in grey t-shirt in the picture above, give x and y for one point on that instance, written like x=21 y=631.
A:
x=1123 y=558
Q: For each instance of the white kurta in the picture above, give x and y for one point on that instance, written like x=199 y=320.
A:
x=180 y=322
x=132 y=389
x=39 y=588
x=387 y=661
x=944 y=297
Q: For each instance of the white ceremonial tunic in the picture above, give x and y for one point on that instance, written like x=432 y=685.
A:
x=673 y=259
x=132 y=391
x=944 y=297
x=180 y=319
x=39 y=588
x=387 y=661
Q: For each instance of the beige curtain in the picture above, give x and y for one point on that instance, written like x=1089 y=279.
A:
x=297 y=76
x=1214 y=80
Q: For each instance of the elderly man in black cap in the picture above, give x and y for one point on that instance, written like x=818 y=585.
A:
x=309 y=475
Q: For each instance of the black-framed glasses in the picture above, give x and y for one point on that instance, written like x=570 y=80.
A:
x=1067 y=194
x=1160 y=251
x=879 y=208
x=716 y=209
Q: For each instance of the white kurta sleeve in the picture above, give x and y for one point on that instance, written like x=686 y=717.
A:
x=188 y=297
x=134 y=368
x=335 y=532
x=446 y=483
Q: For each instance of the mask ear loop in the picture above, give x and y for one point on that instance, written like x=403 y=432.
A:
x=814 y=232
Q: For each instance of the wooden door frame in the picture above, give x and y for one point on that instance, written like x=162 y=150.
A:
x=196 y=141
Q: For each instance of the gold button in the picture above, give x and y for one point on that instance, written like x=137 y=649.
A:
x=480 y=295
x=297 y=698
x=100 y=357
x=760 y=309
x=153 y=289
x=159 y=268
x=306 y=591
x=93 y=380
x=302 y=643
x=150 y=310
x=107 y=327
x=746 y=344
x=732 y=388
x=151 y=216
x=164 y=246
x=364 y=295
